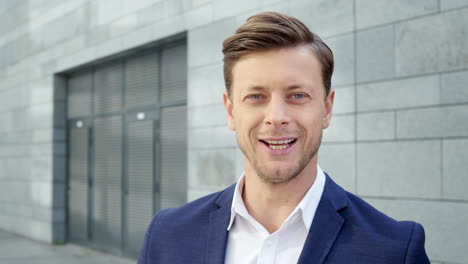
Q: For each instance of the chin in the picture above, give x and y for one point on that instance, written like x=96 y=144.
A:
x=278 y=176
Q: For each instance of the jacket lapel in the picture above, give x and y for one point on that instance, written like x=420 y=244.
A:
x=217 y=229
x=326 y=225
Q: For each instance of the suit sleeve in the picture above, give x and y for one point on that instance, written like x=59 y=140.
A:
x=416 y=254
x=143 y=257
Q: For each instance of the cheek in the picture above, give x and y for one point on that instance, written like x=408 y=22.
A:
x=248 y=118
x=313 y=125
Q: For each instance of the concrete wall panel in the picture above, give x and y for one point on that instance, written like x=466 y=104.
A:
x=374 y=54
x=209 y=38
x=454 y=87
x=455 y=174
x=338 y=160
x=343 y=52
x=433 y=122
x=341 y=129
x=419 y=51
x=371 y=13
x=344 y=100
x=227 y=8
x=207 y=115
x=326 y=18
x=376 y=126
x=213 y=167
x=451 y=4
x=205 y=85
x=413 y=92
x=211 y=137
x=399 y=169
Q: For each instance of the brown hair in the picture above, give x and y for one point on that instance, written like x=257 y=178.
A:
x=269 y=31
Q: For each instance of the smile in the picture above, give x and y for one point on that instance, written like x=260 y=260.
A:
x=279 y=144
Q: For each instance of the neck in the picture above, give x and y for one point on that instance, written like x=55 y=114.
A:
x=271 y=203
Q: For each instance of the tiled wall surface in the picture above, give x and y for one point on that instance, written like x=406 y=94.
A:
x=399 y=136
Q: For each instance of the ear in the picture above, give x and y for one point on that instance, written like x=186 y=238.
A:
x=328 y=109
x=228 y=106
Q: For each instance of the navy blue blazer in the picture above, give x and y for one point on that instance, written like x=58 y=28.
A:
x=345 y=229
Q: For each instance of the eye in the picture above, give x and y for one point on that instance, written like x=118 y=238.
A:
x=255 y=97
x=298 y=96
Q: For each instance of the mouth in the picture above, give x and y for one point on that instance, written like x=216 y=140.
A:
x=279 y=144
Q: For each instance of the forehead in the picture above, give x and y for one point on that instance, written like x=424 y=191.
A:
x=282 y=68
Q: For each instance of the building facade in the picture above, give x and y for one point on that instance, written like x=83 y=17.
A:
x=112 y=109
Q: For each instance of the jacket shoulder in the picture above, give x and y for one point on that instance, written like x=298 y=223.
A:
x=199 y=206
x=192 y=213
x=364 y=215
x=402 y=241
x=185 y=226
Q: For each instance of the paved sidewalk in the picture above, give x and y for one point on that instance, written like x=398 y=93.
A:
x=19 y=250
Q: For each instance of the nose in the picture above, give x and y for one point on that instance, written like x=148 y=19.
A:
x=276 y=113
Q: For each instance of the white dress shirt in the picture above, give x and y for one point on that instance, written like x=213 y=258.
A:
x=250 y=243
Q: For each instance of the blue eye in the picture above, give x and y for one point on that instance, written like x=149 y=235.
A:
x=256 y=96
x=298 y=96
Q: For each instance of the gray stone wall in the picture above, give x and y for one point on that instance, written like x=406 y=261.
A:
x=399 y=135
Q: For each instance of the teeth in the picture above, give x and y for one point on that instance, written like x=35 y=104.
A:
x=277 y=142
x=278 y=147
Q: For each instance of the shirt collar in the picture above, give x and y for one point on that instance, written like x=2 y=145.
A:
x=307 y=206
x=237 y=202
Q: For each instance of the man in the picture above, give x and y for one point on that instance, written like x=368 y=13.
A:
x=284 y=208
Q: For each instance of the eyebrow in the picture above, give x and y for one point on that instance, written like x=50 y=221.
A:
x=255 y=88
x=295 y=86
x=261 y=88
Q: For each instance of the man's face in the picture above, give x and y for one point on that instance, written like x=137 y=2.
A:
x=278 y=109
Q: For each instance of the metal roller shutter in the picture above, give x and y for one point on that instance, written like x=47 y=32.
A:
x=141 y=92
x=78 y=185
x=127 y=147
x=174 y=74
x=140 y=159
x=108 y=88
x=107 y=182
x=174 y=156
x=141 y=81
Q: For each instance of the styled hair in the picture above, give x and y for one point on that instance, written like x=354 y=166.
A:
x=269 y=31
